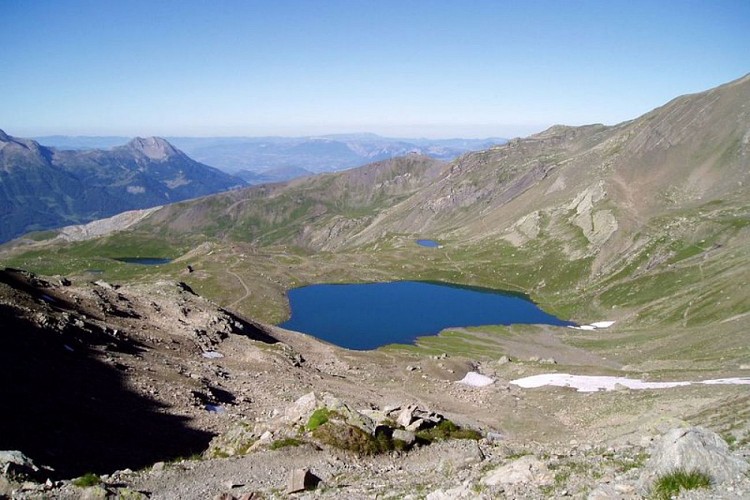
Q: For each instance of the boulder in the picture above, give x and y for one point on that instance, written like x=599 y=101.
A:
x=405 y=436
x=301 y=480
x=416 y=425
x=525 y=470
x=406 y=416
x=302 y=408
x=16 y=466
x=693 y=448
x=349 y=415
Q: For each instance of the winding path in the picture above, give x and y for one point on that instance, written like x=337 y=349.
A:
x=247 y=289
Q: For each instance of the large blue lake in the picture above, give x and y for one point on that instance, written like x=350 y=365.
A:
x=367 y=316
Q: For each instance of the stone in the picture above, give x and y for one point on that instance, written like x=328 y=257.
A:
x=301 y=480
x=158 y=467
x=302 y=408
x=416 y=425
x=462 y=491
x=504 y=360
x=406 y=416
x=407 y=437
x=16 y=457
x=525 y=470
x=693 y=448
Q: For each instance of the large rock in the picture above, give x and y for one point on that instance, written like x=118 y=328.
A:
x=302 y=408
x=690 y=449
x=301 y=480
x=349 y=415
x=525 y=470
x=14 y=465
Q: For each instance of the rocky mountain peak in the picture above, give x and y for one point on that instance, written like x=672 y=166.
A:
x=155 y=148
x=4 y=137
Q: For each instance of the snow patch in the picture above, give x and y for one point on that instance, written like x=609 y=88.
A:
x=598 y=325
x=593 y=383
x=475 y=379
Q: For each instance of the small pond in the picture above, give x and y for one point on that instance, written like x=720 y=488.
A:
x=367 y=316
x=428 y=243
x=145 y=261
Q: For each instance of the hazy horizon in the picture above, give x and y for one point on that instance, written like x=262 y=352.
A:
x=404 y=70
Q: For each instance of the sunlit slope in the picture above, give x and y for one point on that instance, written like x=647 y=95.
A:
x=645 y=222
x=320 y=212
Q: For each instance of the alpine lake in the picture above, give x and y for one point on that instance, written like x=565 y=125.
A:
x=371 y=315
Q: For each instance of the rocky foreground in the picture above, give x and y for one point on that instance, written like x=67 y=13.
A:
x=150 y=391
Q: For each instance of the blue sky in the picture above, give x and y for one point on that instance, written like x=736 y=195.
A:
x=400 y=68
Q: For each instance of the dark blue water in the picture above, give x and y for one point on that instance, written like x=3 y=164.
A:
x=428 y=243
x=145 y=261
x=371 y=315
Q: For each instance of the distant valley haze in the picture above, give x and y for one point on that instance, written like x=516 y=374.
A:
x=415 y=69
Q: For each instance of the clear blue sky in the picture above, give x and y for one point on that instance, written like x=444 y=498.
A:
x=402 y=68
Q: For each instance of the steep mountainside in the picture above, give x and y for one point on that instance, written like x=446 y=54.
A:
x=42 y=188
x=318 y=212
x=620 y=214
x=638 y=232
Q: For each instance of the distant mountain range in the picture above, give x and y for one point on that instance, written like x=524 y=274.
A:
x=282 y=158
x=42 y=188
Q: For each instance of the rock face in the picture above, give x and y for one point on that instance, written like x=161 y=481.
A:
x=690 y=449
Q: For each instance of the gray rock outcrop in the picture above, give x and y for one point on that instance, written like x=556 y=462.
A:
x=691 y=449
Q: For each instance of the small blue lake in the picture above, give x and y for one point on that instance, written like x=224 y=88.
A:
x=367 y=316
x=145 y=261
x=428 y=243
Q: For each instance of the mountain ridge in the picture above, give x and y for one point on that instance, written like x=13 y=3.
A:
x=639 y=232
x=43 y=188
x=267 y=155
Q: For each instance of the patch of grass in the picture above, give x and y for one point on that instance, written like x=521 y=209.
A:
x=669 y=485
x=318 y=418
x=285 y=443
x=351 y=438
x=219 y=454
x=88 y=479
x=447 y=430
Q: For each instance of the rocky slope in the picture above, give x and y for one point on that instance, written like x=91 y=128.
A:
x=644 y=223
x=42 y=188
x=162 y=394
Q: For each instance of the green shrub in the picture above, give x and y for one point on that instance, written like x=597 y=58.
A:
x=447 y=430
x=88 y=479
x=669 y=485
x=285 y=443
x=350 y=438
